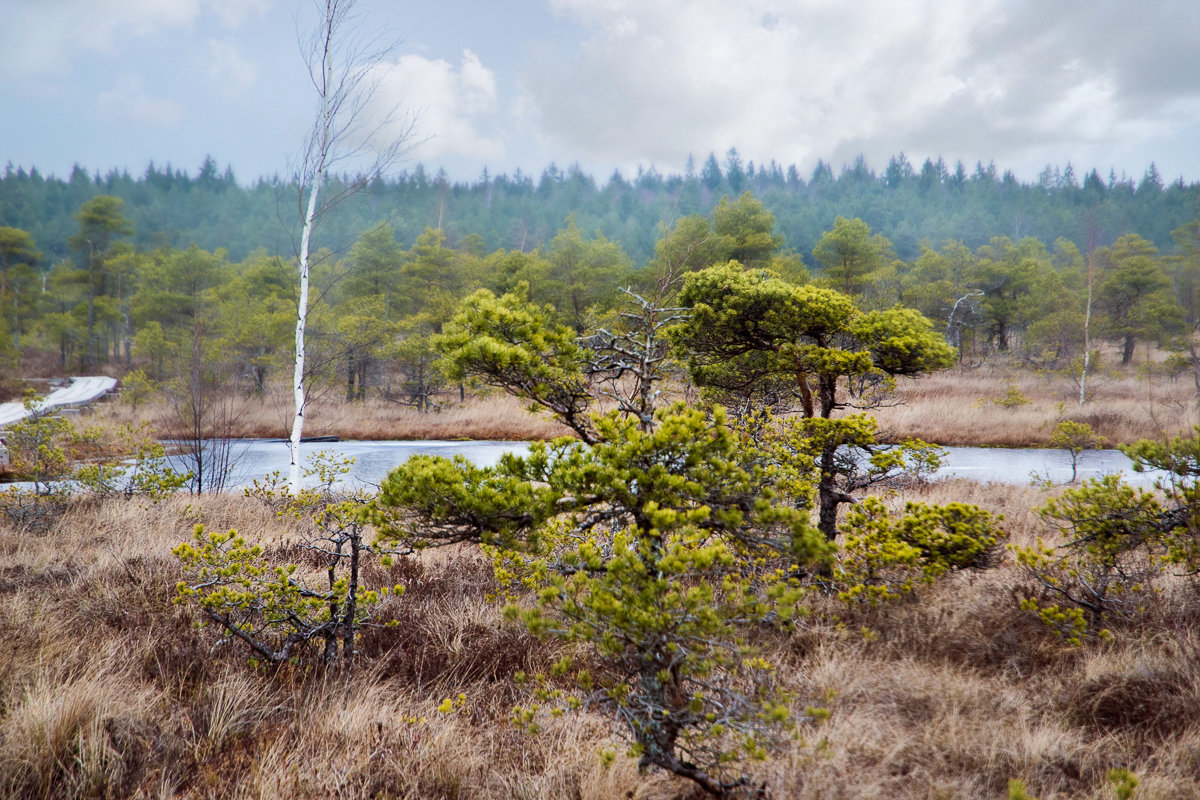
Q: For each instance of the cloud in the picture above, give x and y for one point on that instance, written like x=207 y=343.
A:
x=450 y=106
x=231 y=71
x=233 y=13
x=661 y=79
x=44 y=38
x=129 y=104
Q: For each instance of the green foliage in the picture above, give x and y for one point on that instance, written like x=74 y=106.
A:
x=37 y=446
x=584 y=275
x=363 y=335
x=743 y=372
x=1179 y=458
x=1008 y=275
x=688 y=469
x=1017 y=791
x=758 y=343
x=149 y=475
x=375 y=259
x=747 y=327
x=885 y=557
x=100 y=222
x=455 y=501
x=236 y=587
x=510 y=344
x=523 y=212
x=1075 y=437
x=151 y=343
x=1124 y=782
x=1012 y=398
x=749 y=230
x=850 y=253
x=16 y=247
x=8 y=351
x=655 y=547
x=1118 y=539
x=20 y=290
x=901 y=342
x=1000 y=293
x=689 y=245
x=137 y=387
x=1135 y=294
x=858 y=461
x=418 y=360
x=1067 y=622
x=276 y=609
x=1110 y=557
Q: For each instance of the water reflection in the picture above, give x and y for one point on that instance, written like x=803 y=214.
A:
x=255 y=459
x=1020 y=465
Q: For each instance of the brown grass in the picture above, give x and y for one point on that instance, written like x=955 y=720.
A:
x=107 y=690
x=492 y=417
x=956 y=407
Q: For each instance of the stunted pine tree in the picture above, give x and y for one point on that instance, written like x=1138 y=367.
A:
x=659 y=546
x=758 y=343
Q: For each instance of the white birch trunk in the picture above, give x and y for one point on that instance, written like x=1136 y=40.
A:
x=318 y=161
x=299 y=393
x=1087 y=334
x=340 y=67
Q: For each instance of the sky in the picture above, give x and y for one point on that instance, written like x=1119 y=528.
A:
x=615 y=84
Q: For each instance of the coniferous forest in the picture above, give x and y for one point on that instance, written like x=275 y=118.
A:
x=908 y=204
x=1002 y=265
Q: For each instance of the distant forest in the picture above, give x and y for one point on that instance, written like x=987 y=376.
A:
x=907 y=204
x=181 y=275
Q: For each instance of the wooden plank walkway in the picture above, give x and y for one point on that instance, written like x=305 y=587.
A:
x=80 y=392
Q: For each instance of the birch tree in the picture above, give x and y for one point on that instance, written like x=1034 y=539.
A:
x=348 y=133
x=1087 y=319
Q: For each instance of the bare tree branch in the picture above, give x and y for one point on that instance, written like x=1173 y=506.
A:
x=344 y=67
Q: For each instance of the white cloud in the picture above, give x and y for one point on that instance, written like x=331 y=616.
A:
x=233 y=13
x=451 y=106
x=231 y=71
x=129 y=104
x=1005 y=79
x=42 y=38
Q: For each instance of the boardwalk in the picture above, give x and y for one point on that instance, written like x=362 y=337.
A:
x=80 y=392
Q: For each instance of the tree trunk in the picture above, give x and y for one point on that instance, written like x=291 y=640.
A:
x=1087 y=332
x=90 y=354
x=343 y=75
x=828 y=497
x=299 y=394
x=806 y=398
x=349 y=624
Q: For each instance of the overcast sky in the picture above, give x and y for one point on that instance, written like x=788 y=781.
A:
x=614 y=84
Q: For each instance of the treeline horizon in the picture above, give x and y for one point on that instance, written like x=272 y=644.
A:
x=910 y=205
x=177 y=312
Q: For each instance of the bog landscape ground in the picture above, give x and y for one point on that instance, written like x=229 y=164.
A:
x=109 y=689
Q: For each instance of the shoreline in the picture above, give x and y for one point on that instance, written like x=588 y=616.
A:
x=958 y=408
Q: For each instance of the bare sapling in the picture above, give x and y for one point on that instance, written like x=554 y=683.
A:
x=344 y=66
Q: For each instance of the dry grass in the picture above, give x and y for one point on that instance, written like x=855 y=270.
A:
x=493 y=417
x=107 y=690
x=956 y=407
